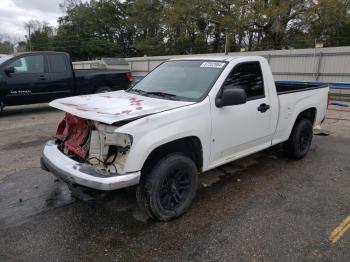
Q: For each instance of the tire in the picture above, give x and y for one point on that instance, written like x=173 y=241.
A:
x=1 y=106
x=103 y=89
x=167 y=190
x=300 y=140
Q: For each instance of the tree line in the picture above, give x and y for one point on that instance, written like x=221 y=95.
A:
x=163 y=27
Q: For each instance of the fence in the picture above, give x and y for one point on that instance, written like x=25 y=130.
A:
x=330 y=64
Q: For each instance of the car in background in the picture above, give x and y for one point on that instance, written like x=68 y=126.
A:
x=39 y=77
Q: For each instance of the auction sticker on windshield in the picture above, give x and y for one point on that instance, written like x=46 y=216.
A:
x=213 y=64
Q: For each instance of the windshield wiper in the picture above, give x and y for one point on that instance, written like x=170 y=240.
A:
x=139 y=91
x=154 y=93
x=163 y=94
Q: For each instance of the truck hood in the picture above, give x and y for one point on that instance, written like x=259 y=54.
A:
x=116 y=106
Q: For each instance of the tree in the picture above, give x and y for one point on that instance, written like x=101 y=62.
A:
x=6 y=45
x=320 y=22
x=273 y=19
x=127 y=28
x=21 y=46
x=41 y=36
x=145 y=21
x=94 y=29
x=186 y=26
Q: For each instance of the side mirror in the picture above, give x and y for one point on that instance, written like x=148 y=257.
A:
x=9 y=70
x=230 y=97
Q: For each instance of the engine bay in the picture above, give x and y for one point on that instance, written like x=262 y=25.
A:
x=91 y=142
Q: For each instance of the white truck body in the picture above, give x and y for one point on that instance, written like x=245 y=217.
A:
x=225 y=133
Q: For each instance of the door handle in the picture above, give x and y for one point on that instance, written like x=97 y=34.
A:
x=263 y=108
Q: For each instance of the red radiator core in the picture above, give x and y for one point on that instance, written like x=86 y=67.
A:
x=73 y=131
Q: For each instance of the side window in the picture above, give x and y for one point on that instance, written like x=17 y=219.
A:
x=247 y=76
x=29 y=64
x=19 y=65
x=57 y=64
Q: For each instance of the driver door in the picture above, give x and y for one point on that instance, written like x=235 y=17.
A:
x=239 y=130
x=28 y=83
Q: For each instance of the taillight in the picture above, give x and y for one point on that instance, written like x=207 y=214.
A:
x=129 y=75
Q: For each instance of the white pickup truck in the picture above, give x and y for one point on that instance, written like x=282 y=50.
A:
x=187 y=116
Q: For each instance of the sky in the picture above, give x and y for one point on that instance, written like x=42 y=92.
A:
x=14 y=13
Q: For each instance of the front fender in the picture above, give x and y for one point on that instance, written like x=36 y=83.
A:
x=156 y=130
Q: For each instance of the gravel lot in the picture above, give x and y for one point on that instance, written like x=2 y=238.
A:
x=260 y=208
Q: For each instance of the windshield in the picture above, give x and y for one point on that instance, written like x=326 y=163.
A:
x=3 y=58
x=187 y=80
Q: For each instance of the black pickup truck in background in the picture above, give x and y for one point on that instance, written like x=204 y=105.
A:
x=39 y=77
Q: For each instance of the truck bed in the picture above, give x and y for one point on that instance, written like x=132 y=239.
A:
x=286 y=87
x=85 y=72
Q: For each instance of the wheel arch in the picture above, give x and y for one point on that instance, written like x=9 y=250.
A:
x=309 y=113
x=104 y=83
x=190 y=146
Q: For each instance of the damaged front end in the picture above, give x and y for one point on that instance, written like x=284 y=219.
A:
x=93 y=143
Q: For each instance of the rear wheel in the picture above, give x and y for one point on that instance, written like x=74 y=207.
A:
x=300 y=140
x=103 y=89
x=168 y=189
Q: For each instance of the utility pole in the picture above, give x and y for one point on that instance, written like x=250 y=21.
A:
x=28 y=26
x=227 y=43
x=29 y=41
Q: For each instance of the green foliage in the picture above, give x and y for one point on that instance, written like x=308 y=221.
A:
x=95 y=29
x=328 y=21
x=41 y=40
x=145 y=21
x=186 y=26
x=6 y=44
x=6 y=47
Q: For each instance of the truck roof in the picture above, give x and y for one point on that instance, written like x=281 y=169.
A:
x=209 y=57
x=38 y=52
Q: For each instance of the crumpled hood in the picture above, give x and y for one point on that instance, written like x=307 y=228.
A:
x=116 y=106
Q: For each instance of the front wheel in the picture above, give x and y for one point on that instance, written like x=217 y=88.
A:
x=300 y=140
x=168 y=189
x=1 y=106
